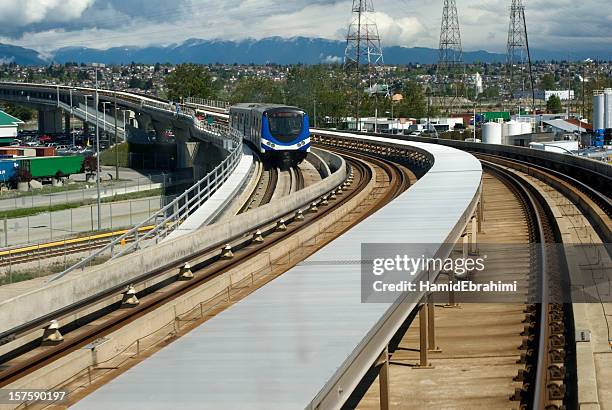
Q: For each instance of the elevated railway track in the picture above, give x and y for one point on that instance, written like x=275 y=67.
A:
x=379 y=180
x=561 y=199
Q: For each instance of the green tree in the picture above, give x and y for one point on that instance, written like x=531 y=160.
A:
x=414 y=103
x=322 y=87
x=553 y=104
x=491 y=92
x=19 y=111
x=136 y=83
x=258 y=90
x=190 y=80
x=548 y=82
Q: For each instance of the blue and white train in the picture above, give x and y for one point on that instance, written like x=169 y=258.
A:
x=280 y=133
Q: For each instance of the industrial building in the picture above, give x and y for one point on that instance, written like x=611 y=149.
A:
x=8 y=128
x=564 y=95
x=602 y=115
x=560 y=126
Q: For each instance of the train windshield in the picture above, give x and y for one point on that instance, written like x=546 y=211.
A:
x=285 y=126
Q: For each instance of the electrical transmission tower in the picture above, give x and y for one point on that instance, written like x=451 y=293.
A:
x=362 y=39
x=363 y=48
x=519 y=56
x=450 y=73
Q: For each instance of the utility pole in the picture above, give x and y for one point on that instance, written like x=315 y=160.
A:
x=363 y=47
x=117 y=139
x=98 y=151
x=450 y=69
x=71 y=118
x=519 y=54
x=428 y=108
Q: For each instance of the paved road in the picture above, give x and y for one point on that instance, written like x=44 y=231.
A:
x=131 y=180
x=58 y=225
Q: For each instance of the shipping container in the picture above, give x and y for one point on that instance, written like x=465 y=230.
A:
x=9 y=151
x=45 y=151
x=26 y=152
x=8 y=168
x=49 y=167
x=493 y=116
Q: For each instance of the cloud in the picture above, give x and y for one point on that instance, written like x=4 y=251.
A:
x=332 y=59
x=20 y=13
x=50 y=24
x=400 y=31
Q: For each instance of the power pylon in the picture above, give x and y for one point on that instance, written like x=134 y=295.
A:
x=451 y=69
x=363 y=48
x=519 y=56
x=362 y=39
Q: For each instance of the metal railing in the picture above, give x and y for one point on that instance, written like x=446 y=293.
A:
x=91 y=118
x=209 y=103
x=172 y=215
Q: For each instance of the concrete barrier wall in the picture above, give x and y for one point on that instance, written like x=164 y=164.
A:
x=120 y=272
x=561 y=160
x=333 y=161
x=318 y=163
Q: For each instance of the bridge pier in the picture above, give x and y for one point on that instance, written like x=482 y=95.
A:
x=144 y=121
x=383 y=379
x=50 y=120
x=67 y=123
x=159 y=127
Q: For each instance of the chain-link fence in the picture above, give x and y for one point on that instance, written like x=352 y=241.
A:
x=69 y=223
x=85 y=192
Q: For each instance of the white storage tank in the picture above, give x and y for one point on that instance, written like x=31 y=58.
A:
x=598 y=110
x=492 y=133
x=526 y=128
x=514 y=128
x=608 y=108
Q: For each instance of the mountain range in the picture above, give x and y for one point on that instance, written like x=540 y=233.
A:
x=20 y=55
x=268 y=50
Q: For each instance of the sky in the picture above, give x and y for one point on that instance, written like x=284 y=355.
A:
x=46 y=25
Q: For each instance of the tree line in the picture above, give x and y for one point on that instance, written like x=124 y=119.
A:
x=325 y=90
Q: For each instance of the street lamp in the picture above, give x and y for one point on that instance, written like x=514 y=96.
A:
x=71 y=117
x=86 y=96
x=104 y=115
x=117 y=136
x=96 y=65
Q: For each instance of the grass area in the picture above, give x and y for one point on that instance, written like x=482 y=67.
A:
x=47 y=189
x=109 y=156
x=23 y=212
x=51 y=269
x=134 y=195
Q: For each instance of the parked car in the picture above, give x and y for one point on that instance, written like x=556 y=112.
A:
x=44 y=139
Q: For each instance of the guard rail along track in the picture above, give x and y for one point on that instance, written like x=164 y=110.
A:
x=62 y=297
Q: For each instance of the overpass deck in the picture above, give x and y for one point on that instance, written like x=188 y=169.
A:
x=289 y=344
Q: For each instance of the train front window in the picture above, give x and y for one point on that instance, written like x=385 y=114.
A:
x=285 y=126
